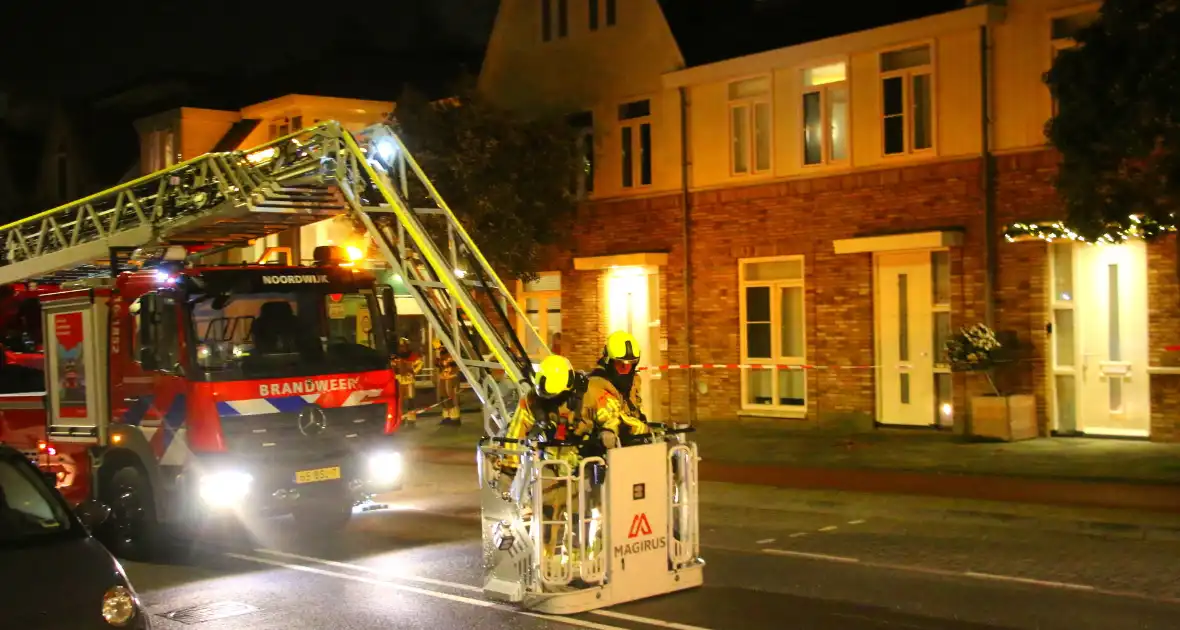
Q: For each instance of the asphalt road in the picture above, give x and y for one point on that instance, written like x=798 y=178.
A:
x=417 y=565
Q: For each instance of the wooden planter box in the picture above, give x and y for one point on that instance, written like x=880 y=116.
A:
x=1007 y=418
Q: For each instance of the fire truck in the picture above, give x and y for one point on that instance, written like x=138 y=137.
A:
x=175 y=388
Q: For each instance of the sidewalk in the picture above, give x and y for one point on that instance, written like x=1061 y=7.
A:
x=1061 y=471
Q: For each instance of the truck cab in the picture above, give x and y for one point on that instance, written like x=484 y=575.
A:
x=178 y=393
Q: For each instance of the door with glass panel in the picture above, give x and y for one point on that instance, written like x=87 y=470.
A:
x=1098 y=331
x=913 y=321
x=774 y=333
x=541 y=300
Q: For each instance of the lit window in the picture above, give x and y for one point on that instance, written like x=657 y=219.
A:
x=907 y=100
x=773 y=333
x=825 y=114
x=635 y=137
x=749 y=126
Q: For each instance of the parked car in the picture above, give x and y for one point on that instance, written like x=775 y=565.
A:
x=55 y=574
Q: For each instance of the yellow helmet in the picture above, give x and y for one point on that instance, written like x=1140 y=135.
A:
x=555 y=376
x=622 y=346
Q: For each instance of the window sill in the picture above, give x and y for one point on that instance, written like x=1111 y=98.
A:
x=793 y=413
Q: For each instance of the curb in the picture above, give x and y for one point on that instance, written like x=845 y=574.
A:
x=1078 y=494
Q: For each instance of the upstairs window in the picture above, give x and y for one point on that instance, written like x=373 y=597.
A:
x=583 y=122
x=749 y=126
x=825 y=114
x=546 y=20
x=907 y=100
x=550 y=23
x=635 y=136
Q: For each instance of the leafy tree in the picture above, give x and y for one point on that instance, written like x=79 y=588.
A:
x=1118 y=126
x=507 y=176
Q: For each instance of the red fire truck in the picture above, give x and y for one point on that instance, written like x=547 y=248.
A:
x=174 y=393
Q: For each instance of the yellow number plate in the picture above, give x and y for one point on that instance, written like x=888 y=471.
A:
x=319 y=474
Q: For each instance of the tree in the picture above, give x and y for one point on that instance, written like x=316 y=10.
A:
x=508 y=177
x=1118 y=121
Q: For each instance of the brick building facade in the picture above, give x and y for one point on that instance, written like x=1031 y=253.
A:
x=850 y=262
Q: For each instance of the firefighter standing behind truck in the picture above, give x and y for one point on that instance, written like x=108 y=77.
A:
x=406 y=365
x=448 y=386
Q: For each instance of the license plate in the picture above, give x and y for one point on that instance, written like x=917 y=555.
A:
x=318 y=474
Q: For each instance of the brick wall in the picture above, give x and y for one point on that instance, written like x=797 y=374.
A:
x=804 y=217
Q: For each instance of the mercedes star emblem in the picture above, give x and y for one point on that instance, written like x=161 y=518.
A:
x=312 y=420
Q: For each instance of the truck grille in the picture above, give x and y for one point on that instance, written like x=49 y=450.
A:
x=342 y=429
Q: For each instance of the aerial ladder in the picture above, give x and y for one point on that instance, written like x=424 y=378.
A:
x=220 y=201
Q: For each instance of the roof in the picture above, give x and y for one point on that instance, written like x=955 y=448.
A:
x=709 y=31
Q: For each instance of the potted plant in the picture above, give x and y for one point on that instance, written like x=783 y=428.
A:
x=995 y=415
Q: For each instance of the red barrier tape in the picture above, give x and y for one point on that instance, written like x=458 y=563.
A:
x=750 y=366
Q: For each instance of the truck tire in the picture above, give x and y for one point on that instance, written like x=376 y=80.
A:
x=320 y=519
x=132 y=532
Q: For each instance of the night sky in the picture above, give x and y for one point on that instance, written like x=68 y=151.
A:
x=102 y=46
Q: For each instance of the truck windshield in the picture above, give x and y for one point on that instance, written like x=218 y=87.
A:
x=298 y=333
x=28 y=511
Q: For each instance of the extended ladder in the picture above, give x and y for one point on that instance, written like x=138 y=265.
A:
x=224 y=200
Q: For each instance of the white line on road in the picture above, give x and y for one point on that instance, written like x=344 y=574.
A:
x=470 y=588
x=798 y=534
x=828 y=528
x=856 y=522
x=942 y=572
x=1009 y=578
x=428 y=593
x=814 y=556
x=764 y=541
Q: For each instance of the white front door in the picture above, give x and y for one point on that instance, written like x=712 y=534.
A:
x=628 y=305
x=905 y=339
x=1099 y=333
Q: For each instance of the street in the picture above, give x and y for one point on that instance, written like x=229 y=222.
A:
x=771 y=564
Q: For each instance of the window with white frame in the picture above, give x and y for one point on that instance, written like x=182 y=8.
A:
x=1063 y=33
x=940 y=266
x=907 y=100
x=825 y=114
x=635 y=138
x=773 y=333
x=749 y=126
x=541 y=300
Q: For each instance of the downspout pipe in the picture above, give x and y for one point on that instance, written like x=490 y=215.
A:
x=686 y=245
x=987 y=180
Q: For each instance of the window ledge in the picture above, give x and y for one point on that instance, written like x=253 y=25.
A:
x=782 y=412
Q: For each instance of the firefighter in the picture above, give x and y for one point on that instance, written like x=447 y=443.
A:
x=614 y=390
x=555 y=399
x=448 y=386
x=406 y=365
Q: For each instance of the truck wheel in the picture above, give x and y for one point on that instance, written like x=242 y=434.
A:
x=320 y=519
x=132 y=532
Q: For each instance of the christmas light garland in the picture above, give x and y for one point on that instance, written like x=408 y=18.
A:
x=1059 y=231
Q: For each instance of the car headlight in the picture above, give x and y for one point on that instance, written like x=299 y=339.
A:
x=385 y=467
x=224 y=489
x=118 y=606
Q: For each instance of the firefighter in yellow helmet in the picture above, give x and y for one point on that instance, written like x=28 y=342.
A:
x=548 y=414
x=406 y=365
x=613 y=392
x=448 y=385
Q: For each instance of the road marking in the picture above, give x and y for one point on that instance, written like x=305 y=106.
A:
x=660 y=623
x=798 y=534
x=856 y=522
x=828 y=528
x=428 y=593
x=1009 y=578
x=814 y=556
x=764 y=541
x=942 y=572
x=360 y=567
x=469 y=588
